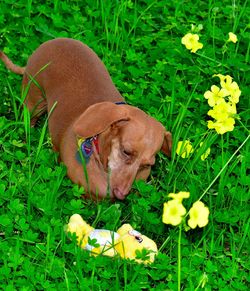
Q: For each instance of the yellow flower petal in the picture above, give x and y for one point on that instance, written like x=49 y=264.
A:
x=207 y=152
x=226 y=83
x=208 y=94
x=235 y=96
x=196 y=46
x=222 y=77
x=179 y=196
x=210 y=124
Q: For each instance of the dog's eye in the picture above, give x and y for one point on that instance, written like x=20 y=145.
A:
x=126 y=153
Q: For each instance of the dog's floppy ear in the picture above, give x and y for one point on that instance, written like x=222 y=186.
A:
x=98 y=117
x=167 y=144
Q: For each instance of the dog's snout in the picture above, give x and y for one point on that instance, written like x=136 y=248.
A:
x=119 y=194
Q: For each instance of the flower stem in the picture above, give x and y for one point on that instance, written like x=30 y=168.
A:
x=245 y=128
x=222 y=150
x=179 y=258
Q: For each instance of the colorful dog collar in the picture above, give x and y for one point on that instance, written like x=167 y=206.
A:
x=85 y=148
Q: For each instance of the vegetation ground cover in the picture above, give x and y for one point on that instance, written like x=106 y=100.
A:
x=140 y=43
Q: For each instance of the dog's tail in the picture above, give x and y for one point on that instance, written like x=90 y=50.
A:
x=9 y=65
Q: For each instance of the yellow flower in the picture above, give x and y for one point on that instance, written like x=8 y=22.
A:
x=205 y=155
x=191 y=42
x=184 y=149
x=232 y=37
x=215 y=95
x=198 y=215
x=229 y=87
x=228 y=84
x=179 y=196
x=173 y=212
x=222 y=111
x=222 y=126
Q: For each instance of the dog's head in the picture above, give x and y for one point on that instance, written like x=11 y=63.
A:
x=129 y=140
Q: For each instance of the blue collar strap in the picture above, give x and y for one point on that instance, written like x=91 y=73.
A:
x=120 y=103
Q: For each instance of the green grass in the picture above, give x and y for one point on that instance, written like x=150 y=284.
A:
x=140 y=43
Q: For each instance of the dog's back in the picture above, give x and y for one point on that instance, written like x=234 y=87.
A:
x=74 y=78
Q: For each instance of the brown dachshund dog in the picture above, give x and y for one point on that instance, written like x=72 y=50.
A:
x=105 y=143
